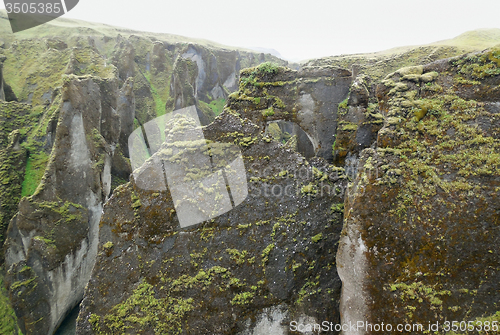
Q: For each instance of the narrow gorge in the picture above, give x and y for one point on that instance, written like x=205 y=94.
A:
x=358 y=189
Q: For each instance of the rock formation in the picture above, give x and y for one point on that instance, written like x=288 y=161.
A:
x=413 y=139
x=308 y=98
x=52 y=241
x=421 y=218
x=266 y=262
x=64 y=149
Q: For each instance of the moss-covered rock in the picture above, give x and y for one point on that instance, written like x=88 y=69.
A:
x=421 y=218
x=54 y=233
x=274 y=252
x=308 y=98
x=358 y=121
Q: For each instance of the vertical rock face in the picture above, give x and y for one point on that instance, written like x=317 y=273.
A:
x=268 y=261
x=74 y=132
x=52 y=241
x=201 y=75
x=126 y=111
x=422 y=216
x=308 y=97
x=358 y=121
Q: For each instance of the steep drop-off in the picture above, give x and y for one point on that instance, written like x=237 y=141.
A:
x=420 y=239
x=71 y=98
x=252 y=270
x=419 y=145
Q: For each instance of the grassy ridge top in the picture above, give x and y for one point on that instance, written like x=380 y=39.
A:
x=379 y=64
x=63 y=27
x=474 y=39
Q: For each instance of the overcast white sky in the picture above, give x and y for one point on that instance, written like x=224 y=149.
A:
x=299 y=29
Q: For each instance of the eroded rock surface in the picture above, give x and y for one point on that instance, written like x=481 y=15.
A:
x=52 y=242
x=64 y=146
x=421 y=218
x=308 y=98
x=255 y=268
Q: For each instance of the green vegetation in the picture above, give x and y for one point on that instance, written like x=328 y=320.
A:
x=136 y=201
x=268 y=68
x=242 y=298
x=159 y=97
x=17 y=124
x=338 y=208
x=309 y=189
x=379 y=64
x=268 y=112
x=237 y=256
x=343 y=104
x=108 y=245
x=163 y=307
x=317 y=238
x=347 y=126
x=8 y=319
x=217 y=105
x=419 y=293
x=309 y=289
x=266 y=252
x=144 y=308
x=68 y=211
x=478 y=66
x=35 y=169
x=486 y=324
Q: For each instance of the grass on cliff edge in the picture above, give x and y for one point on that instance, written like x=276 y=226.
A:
x=35 y=168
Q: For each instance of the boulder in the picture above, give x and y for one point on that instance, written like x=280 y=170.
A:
x=254 y=268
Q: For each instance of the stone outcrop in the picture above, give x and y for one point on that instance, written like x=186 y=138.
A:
x=65 y=149
x=307 y=98
x=266 y=262
x=52 y=241
x=420 y=147
x=421 y=218
x=358 y=122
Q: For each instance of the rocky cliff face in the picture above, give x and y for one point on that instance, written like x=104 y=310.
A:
x=420 y=148
x=299 y=105
x=52 y=241
x=421 y=218
x=252 y=270
x=64 y=148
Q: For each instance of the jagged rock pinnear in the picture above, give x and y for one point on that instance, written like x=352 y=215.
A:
x=252 y=270
x=302 y=104
x=52 y=242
